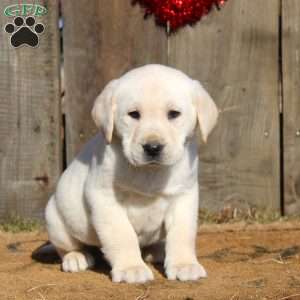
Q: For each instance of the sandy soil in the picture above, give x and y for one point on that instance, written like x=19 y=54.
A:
x=243 y=262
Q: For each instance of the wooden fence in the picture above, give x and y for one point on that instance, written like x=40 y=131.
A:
x=246 y=55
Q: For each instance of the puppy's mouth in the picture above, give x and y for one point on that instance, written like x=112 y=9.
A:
x=151 y=163
x=154 y=163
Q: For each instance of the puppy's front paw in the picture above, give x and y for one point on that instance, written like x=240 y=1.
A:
x=184 y=272
x=134 y=274
x=76 y=261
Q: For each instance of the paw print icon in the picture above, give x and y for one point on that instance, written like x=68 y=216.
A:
x=24 y=32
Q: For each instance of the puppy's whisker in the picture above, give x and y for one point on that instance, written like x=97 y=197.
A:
x=227 y=109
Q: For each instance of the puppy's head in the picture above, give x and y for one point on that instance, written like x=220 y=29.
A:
x=154 y=110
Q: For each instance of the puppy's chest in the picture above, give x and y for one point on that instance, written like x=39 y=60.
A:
x=147 y=217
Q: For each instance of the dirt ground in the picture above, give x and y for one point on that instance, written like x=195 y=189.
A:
x=243 y=262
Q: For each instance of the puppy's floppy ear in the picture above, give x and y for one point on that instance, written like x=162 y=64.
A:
x=207 y=110
x=103 y=110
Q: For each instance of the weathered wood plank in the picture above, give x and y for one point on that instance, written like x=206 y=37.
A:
x=291 y=104
x=234 y=53
x=29 y=119
x=102 y=40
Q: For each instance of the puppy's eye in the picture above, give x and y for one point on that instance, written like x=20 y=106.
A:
x=135 y=114
x=173 y=114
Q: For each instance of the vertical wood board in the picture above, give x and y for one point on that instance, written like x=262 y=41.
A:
x=234 y=53
x=102 y=40
x=291 y=104
x=30 y=152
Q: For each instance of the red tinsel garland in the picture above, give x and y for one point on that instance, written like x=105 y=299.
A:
x=178 y=13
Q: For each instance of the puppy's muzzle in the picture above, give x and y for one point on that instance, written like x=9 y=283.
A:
x=153 y=149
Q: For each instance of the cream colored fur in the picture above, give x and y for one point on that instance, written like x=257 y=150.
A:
x=112 y=196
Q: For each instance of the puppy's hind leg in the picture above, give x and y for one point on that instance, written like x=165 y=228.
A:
x=70 y=250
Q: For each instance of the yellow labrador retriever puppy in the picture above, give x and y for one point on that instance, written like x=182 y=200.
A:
x=135 y=184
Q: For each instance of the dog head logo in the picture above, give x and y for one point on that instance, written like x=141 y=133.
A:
x=24 y=30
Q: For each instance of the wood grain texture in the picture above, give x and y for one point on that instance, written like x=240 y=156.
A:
x=30 y=153
x=291 y=103
x=234 y=53
x=102 y=40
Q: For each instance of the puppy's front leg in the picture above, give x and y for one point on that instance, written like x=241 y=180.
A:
x=181 y=226
x=118 y=239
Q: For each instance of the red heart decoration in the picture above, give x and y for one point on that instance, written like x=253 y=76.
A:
x=177 y=13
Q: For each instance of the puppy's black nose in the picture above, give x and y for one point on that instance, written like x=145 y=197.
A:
x=153 y=149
